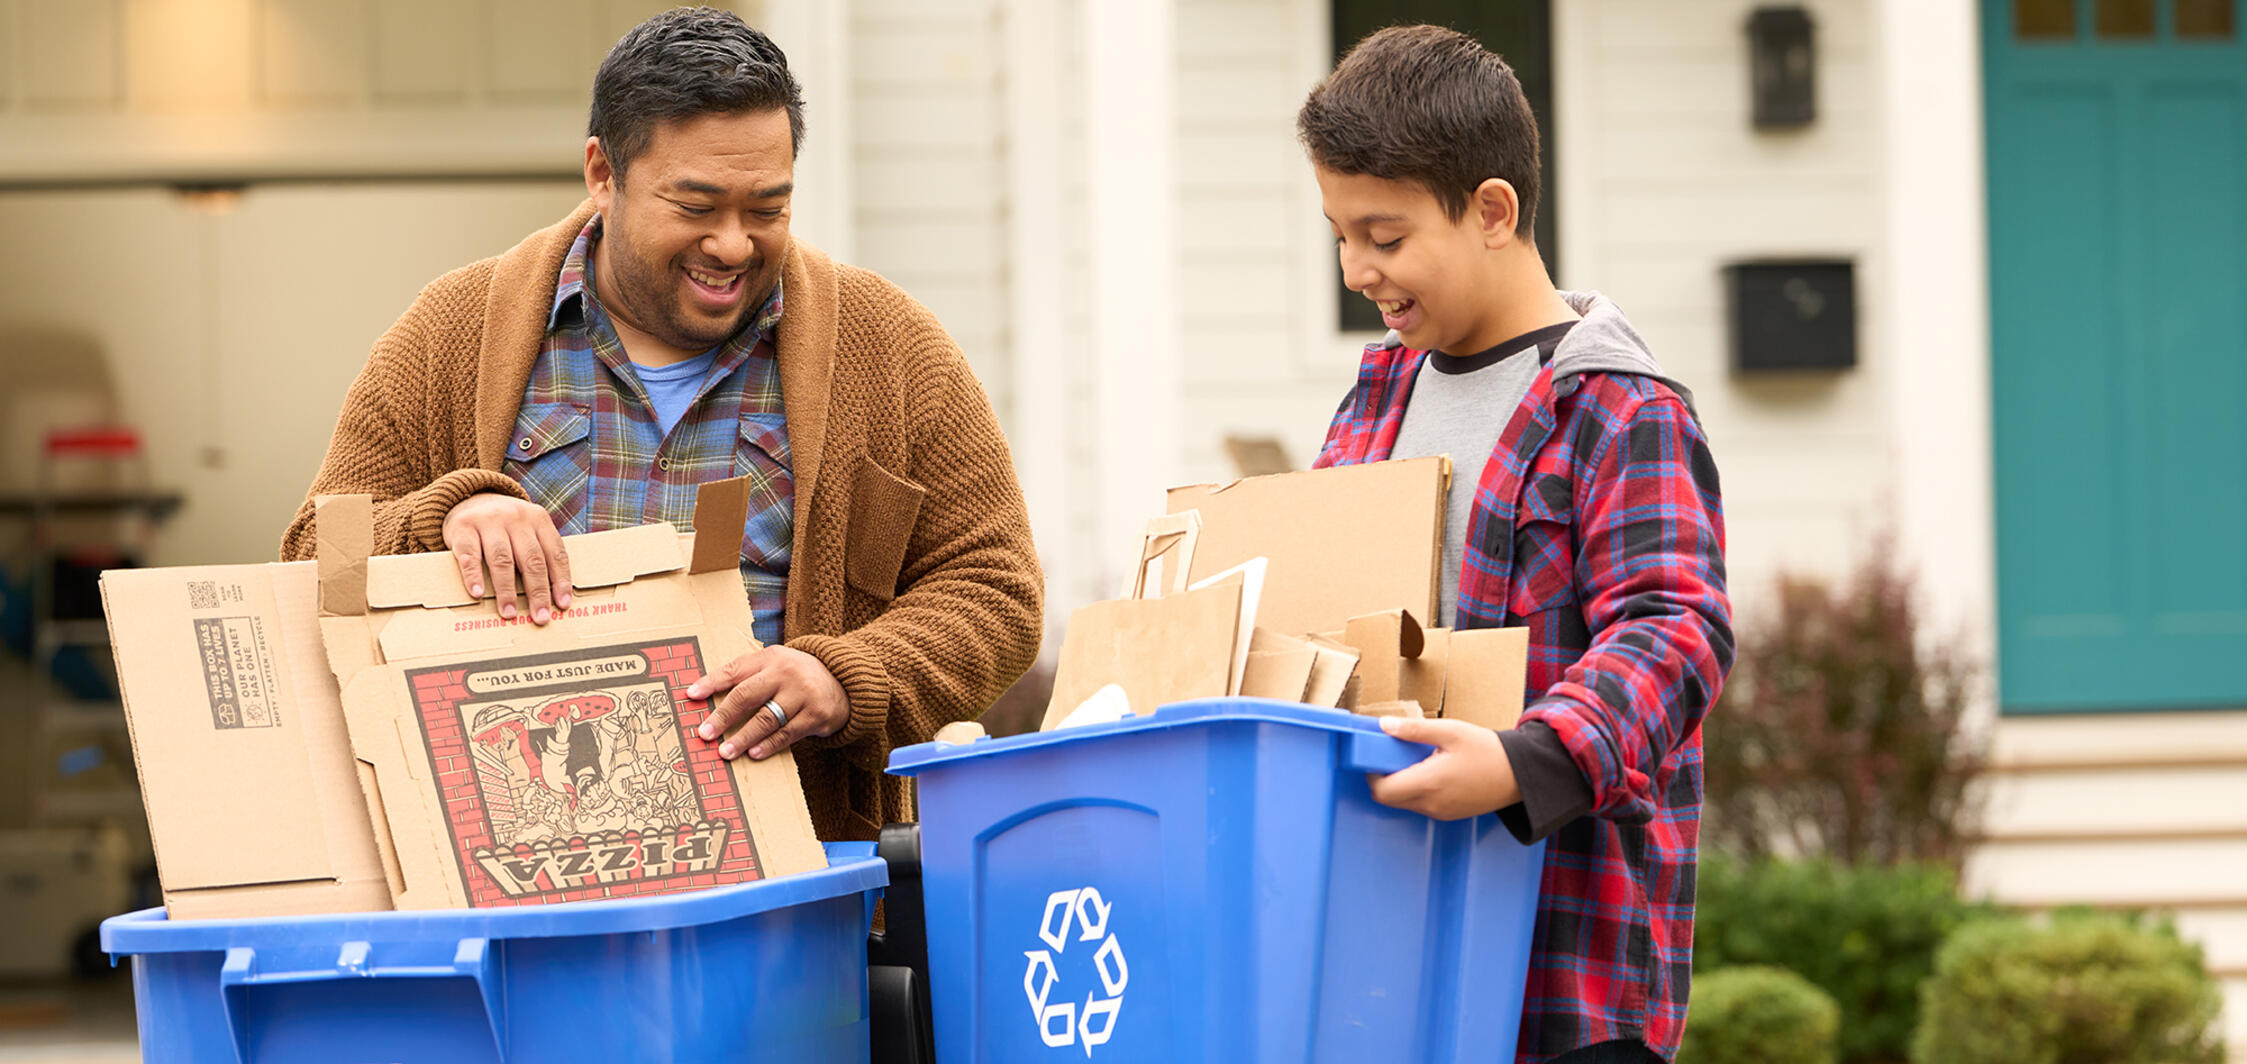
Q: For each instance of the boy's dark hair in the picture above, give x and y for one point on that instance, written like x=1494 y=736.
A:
x=1428 y=105
x=685 y=62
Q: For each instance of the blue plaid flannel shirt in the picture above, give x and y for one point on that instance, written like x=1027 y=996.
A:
x=588 y=447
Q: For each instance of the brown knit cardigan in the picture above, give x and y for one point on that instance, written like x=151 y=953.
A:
x=914 y=580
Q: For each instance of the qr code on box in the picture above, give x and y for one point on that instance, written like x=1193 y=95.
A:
x=202 y=594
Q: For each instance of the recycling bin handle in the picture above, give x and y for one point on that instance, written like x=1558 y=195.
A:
x=897 y=956
x=1377 y=752
x=473 y=960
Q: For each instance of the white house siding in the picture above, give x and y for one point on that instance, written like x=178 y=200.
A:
x=927 y=154
x=1255 y=261
x=1662 y=181
x=2143 y=811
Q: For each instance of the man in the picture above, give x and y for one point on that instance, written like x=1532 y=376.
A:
x=669 y=333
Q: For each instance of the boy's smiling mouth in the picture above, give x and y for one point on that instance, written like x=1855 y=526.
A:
x=1397 y=313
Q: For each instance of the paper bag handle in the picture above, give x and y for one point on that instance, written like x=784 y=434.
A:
x=1172 y=536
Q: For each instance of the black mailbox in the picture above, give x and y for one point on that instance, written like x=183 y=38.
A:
x=1792 y=314
x=1783 y=67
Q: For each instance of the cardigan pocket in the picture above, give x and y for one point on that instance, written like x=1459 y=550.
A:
x=884 y=510
x=550 y=456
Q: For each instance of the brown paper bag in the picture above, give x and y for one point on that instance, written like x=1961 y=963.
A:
x=1177 y=646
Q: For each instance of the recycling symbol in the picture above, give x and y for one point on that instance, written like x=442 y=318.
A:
x=1065 y=1022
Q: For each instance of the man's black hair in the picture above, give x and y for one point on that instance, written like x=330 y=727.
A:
x=682 y=63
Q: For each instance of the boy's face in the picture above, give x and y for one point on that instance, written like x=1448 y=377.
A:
x=1397 y=247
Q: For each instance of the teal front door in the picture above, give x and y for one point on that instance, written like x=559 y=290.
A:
x=2117 y=141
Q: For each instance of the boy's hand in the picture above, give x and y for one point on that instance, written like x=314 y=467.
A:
x=1468 y=775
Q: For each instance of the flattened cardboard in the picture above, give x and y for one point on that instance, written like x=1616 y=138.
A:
x=1342 y=542
x=1487 y=676
x=238 y=735
x=519 y=764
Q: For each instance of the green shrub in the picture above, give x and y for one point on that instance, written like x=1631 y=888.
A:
x=1757 y=1014
x=1866 y=936
x=2082 y=989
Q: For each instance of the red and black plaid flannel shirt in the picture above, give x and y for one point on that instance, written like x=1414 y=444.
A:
x=1597 y=524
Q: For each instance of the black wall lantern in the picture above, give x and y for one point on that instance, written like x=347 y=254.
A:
x=1783 y=66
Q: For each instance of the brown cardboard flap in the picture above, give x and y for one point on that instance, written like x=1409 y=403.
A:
x=1332 y=673
x=1343 y=542
x=598 y=614
x=721 y=511
x=1280 y=674
x=209 y=666
x=720 y=515
x=622 y=555
x=597 y=559
x=343 y=529
x=1487 y=676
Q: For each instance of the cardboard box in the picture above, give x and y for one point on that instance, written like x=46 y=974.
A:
x=1342 y=542
x=517 y=764
x=254 y=801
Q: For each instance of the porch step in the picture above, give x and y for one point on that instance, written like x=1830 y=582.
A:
x=2126 y=811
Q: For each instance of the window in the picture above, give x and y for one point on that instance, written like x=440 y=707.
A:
x=2044 y=20
x=2207 y=19
x=2122 y=19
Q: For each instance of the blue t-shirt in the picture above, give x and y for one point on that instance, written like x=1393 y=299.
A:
x=672 y=388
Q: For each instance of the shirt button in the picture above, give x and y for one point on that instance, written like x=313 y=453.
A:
x=524 y=443
x=663 y=464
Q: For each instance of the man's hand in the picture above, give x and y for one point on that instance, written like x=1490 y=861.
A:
x=1468 y=775
x=506 y=536
x=798 y=683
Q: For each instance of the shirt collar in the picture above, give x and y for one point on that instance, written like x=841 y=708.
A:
x=570 y=286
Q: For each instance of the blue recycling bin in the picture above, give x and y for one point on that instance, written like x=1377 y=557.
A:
x=773 y=970
x=1213 y=882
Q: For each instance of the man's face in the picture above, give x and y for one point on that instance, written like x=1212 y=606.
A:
x=694 y=234
x=1399 y=249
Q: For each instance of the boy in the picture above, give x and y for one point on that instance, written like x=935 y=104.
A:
x=1584 y=506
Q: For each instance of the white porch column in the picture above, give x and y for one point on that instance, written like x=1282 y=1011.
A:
x=1032 y=43
x=816 y=36
x=1130 y=204
x=1936 y=276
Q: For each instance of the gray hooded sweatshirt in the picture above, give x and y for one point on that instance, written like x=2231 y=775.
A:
x=1461 y=405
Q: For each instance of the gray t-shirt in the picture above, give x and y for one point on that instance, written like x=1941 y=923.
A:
x=1460 y=406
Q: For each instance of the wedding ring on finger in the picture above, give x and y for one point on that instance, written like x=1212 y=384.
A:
x=779 y=715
